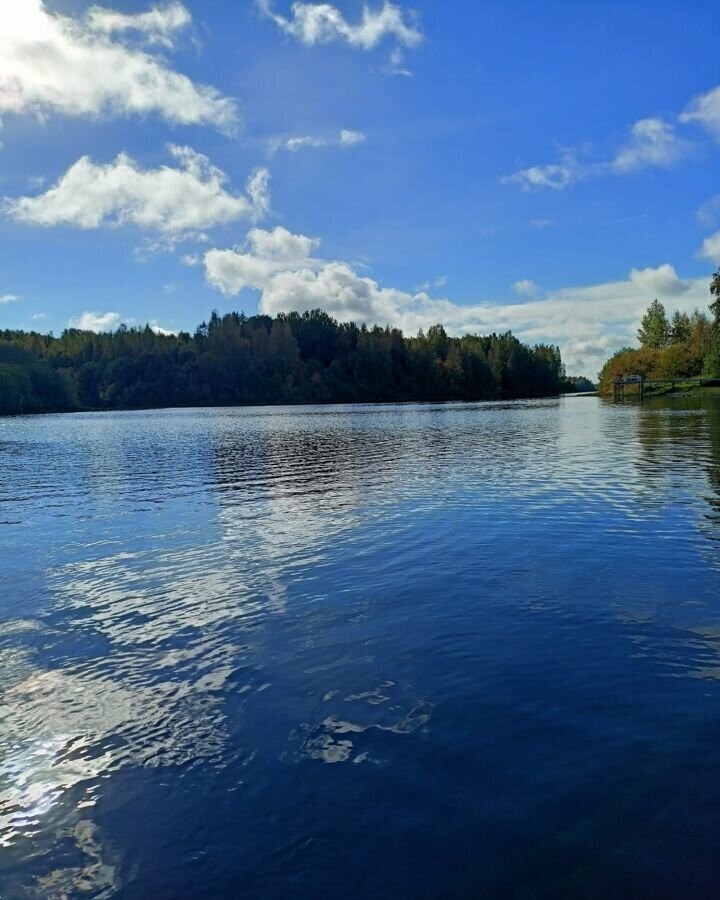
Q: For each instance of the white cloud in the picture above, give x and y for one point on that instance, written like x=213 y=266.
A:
x=170 y=287
x=96 y=321
x=51 y=63
x=38 y=317
x=297 y=143
x=158 y=329
x=281 y=245
x=709 y=212
x=525 y=287
x=653 y=142
x=396 y=64
x=554 y=175
x=588 y=322
x=157 y=25
x=711 y=248
x=8 y=298
x=265 y=254
x=436 y=283
x=541 y=223
x=346 y=138
x=322 y=23
x=705 y=109
x=176 y=202
x=661 y=282
x=350 y=138
x=258 y=189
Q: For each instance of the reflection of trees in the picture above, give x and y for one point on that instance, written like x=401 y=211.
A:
x=713 y=470
x=679 y=450
x=346 y=455
x=676 y=467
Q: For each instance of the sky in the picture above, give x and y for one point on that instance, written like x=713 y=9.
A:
x=548 y=168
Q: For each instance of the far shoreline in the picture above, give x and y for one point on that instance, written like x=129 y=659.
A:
x=454 y=401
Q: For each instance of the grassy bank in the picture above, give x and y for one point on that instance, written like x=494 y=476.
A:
x=683 y=389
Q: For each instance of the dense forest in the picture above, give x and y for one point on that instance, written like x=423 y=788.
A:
x=293 y=358
x=681 y=346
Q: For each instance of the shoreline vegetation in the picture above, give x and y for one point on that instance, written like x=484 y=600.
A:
x=234 y=360
x=676 y=390
x=683 y=389
x=682 y=346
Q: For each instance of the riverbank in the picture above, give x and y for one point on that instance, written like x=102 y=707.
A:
x=683 y=389
x=279 y=404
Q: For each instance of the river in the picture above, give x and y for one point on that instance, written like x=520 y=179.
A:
x=408 y=651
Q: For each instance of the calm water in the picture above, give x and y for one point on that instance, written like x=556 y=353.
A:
x=423 y=651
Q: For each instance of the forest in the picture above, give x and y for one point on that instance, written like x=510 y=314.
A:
x=679 y=346
x=292 y=358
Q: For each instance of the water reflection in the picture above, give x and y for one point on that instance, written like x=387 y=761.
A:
x=225 y=607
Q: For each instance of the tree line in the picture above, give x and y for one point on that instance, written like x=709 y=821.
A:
x=679 y=346
x=292 y=358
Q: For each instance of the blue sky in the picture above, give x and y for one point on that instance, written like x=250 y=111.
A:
x=549 y=168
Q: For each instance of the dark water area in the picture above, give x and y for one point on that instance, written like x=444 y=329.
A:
x=423 y=651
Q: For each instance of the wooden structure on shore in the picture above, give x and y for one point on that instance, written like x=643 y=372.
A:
x=620 y=384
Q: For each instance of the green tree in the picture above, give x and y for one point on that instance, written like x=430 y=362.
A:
x=715 y=291
x=654 y=331
x=297 y=357
x=680 y=328
x=712 y=358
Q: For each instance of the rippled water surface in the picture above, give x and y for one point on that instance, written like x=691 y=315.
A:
x=422 y=651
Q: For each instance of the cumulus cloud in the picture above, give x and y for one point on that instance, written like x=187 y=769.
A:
x=322 y=23
x=51 y=63
x=525 y=287
x=652 y=143
x=8 y=298
x=711 y=248
x=157 y=25
x=705 y=109
x=264 y=255
x=96 y=321
x=661 y=282
x=176 y=202
x=281 y=245
x=345 y=138
x=588 y=322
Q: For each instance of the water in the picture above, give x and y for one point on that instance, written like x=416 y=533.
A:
x=416 y=651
